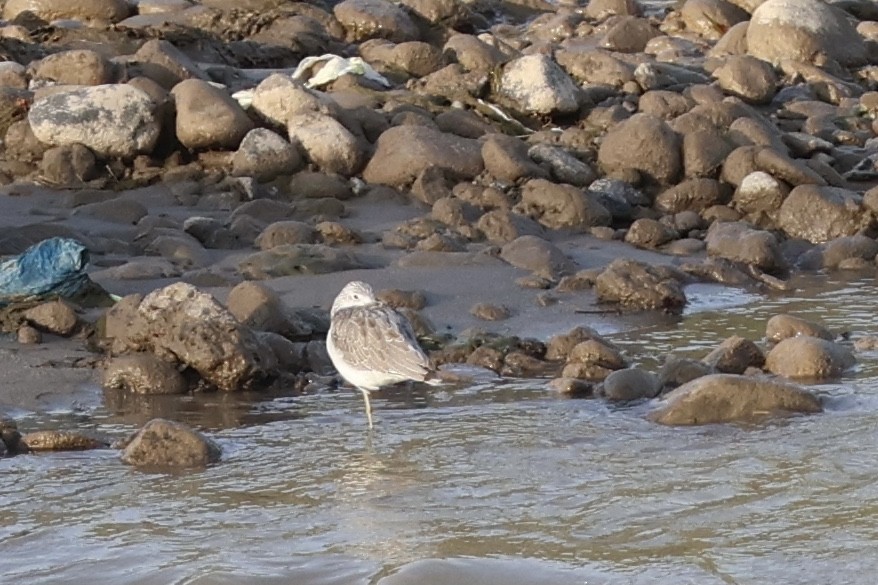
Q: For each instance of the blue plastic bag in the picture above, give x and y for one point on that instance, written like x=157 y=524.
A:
x=53 y=267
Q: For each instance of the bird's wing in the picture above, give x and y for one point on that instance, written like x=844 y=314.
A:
x=381 y=339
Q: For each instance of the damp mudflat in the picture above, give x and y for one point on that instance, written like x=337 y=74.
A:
x=491 y=483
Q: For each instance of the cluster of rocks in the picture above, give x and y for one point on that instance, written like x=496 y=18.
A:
x=743 y=128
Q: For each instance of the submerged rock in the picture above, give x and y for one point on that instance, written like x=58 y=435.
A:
x=809 y=358
x=61 y=441
x=165 y=444
x=784 y=326
x=629 y=384
x=718 y=398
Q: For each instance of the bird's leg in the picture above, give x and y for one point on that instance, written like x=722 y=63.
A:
x=368 y=405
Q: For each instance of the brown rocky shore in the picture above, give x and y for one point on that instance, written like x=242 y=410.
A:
x=515 y=176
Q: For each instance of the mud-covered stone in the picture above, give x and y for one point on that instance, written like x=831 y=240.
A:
x=143 y=373
x=61 y=441
x=163 y=444
x=57 y=317
x=738 y=242
x=638 y=286
x=646 y=144
x=561 y=206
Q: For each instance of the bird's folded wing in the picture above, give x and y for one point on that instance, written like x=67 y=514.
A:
x=379 y=339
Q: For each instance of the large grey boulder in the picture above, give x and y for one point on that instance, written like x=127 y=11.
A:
x=164 y=444
x=111 y=120
x=804 y=30
x=718 y=398
x=185 y=326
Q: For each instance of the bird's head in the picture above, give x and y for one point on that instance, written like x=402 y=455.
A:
x=354 y=294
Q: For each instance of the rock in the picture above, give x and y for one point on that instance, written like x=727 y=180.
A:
x=264 y=155
x=643 y=143
x=259 y=307
x=638 y=286
x=629 y=384
x=593 y=359
x=403 y=152
x=692 y=194
x=28 y=335
x=71 y=165
x=810 y=358
x=111 y=120
x=536 y=255
x=560 y=346
x=369 y=19
x=819 y=214
x=280 y=233
x=561 y=206
x=759 y=192
x=649 y=233
x=676 y=371
x=76 y=67
x=208 y=117
x=803 y=30
x=165 y=444
x=719 y=398
x=402 y=299
x=628 y=34
x=165 y=64
x=738 y=242
x=564 y=167
x=711 y=18
x=121 y=211
x=56 y=317
x=848 y=250
x=735 y=355
x=279 y=97
x=472 y=53
x=60 y=441
x=506 y=158
x=572 y=387
x=143 y=373
x=490 y=312
x=501 y=227
x=601 y=9
x=704 y=151
x=784 y=326
x=792 y=171
x=536 y=84
x=291 y=259
x=326 y=143
x=184 y=325
x=88 y=11
x=748 y=78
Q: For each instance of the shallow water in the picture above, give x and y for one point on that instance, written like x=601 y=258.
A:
x=493 y=483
